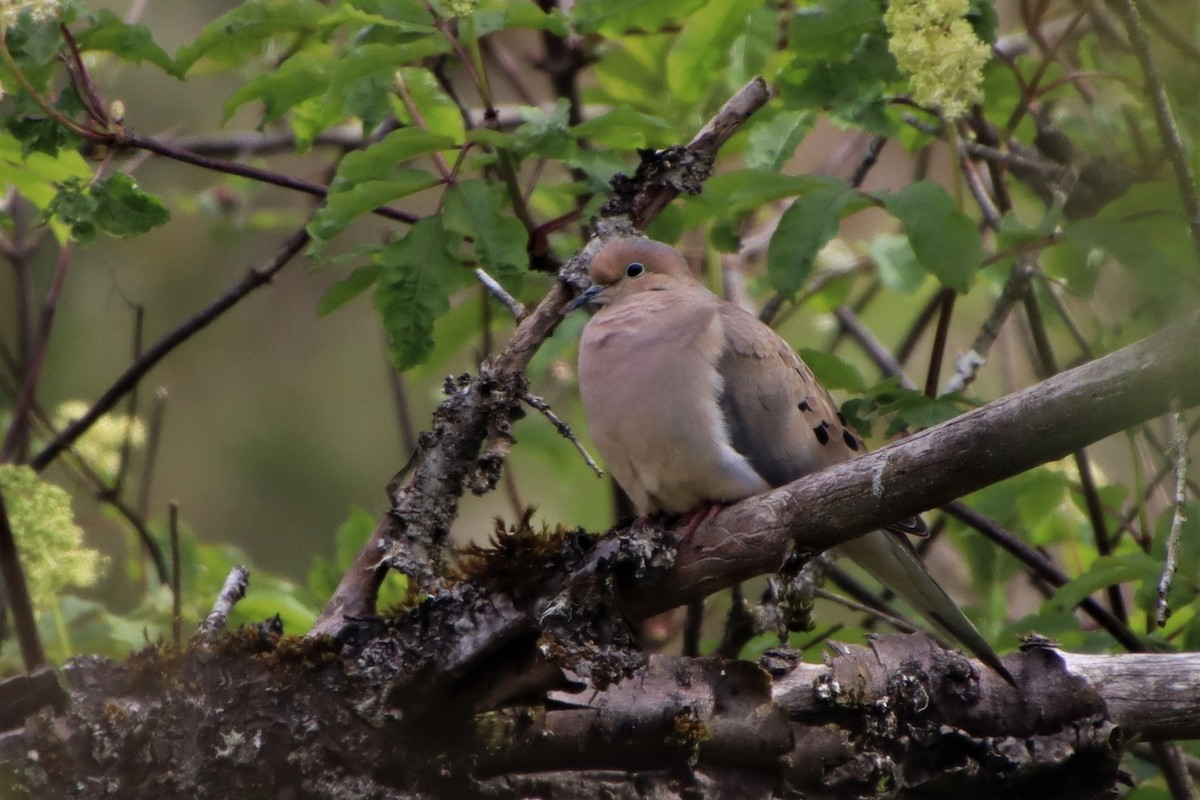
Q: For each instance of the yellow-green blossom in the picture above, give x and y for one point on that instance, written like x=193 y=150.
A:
x=48 y=540
x=39 y=11
x=100 y=447
x=936 y=47
x=457 y=9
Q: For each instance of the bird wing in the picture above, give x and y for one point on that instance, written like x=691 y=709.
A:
x=786 y=425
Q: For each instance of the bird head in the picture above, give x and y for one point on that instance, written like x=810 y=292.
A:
x=628 y=266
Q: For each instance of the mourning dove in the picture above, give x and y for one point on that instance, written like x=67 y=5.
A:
x=693 y=401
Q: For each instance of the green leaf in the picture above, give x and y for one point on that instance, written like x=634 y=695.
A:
x=828 y=30
x=1105 y=571
x=912 y=410
x=473 y=209
x=897 y=263
x=808 y=224
x=132 y=43
x=732 y=193
x=302 y=76
x=123 y=209
x=773 y=143
x=833 y=372
x=416 y=276
x=113 y=204
x=701 y=48
x=624 y=128
x=348 y=288
x=853 y=90
x=544 y=134
x=38 y=175
x=244 y=31
x=1146 y=231
x=343 y=207
x=75 y=207
x=614 y=17
x=375 y=162
x=496 y=15
x=370 y=59
x=438 y=110
x=945 y=241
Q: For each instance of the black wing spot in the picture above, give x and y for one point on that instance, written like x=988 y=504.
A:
x=822 y=434
x=825 y=424
x=850 y=441
x=804 y=406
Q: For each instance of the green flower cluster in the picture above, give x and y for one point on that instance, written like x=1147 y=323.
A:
x=39 y=11
x=48 y=540
x=936 y=47
x=100 y=447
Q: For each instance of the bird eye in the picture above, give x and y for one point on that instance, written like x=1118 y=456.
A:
x=635 y=269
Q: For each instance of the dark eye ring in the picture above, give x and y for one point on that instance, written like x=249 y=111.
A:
x=634 y=270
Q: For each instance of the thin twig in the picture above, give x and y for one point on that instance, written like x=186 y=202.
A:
x=1095 y=510
x=153 y=438
x=176 y=576
x=896 y=622
x=408 y=432
x=909 y=343
x=131 y=410
x=233 y=591
x=1046 y=569
x=969 y=364
x=1162 y=608
x=941 y=334
x=1168 y=130
x=852 y=325
x=134 y=372
x=133 y=139
x=514 y=306
x=17 y=594
x=1170 y=760
x=19 y=424
x=874 y=148
x=563 y=429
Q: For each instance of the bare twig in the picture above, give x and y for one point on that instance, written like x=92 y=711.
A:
x=968 y=364
x=902 y=625
x=1162 y=608
x=1168 y=130
x=133 y=139
x=564 y=430
x=1169 y=758
x=874 y=148
x=233 y=591
x=514 y=306
x=19 y=424
x=852 y=325
x=941 y=333
x=909 y=343
x=134 y=372
x=176 y=576
x=1046 y=569
x=1091 y=496
x=131 y=409
x=17 y=594
x=408 y=432
x=153 y=438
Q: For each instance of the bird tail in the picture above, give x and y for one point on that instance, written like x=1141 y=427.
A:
x=893 y=562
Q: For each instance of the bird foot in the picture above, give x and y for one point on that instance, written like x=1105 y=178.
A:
x=697 y=517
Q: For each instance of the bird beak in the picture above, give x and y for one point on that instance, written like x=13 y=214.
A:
x=585 y=297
